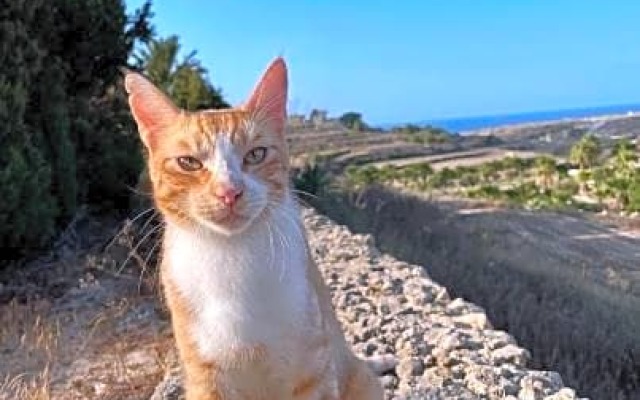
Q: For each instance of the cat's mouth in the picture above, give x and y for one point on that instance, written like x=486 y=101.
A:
x=227 y=220
x=232 y=217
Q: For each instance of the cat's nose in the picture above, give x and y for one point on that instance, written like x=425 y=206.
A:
x=229 y=194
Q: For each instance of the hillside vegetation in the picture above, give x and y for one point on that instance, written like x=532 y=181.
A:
x=589 y=181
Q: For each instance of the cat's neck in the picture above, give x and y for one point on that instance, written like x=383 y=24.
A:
x=280 y=229
x=273 y=250
x=249 y=288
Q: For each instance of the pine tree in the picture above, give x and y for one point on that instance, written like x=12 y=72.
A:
x=67 y=136
x=27 y=209
x=185 y=81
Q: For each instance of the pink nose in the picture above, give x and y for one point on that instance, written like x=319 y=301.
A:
x=228 y=194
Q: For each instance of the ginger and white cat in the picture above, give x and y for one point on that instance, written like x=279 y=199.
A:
x=251 y=314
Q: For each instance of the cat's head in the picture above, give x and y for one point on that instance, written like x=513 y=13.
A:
x=218 y=169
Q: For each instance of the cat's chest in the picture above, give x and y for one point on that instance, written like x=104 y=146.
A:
x=244 y=293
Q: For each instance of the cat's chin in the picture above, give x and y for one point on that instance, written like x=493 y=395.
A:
x=227 y=227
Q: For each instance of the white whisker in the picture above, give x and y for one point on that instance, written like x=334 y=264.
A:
x=146 y=262
x=148 y=221
x=135 y=249
x=272 y=255
x=128 y=224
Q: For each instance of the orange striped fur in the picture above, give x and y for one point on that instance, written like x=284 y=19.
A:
x=251 y=313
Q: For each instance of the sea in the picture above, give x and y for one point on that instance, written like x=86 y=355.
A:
x=469 y=124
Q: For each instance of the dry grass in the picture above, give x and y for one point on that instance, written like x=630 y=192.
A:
x=128 y=369
x=24 y=387
x=108 y=340
x=32 y=343
x=102 y=360
x=25 y=327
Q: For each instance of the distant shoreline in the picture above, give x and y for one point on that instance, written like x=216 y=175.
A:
x=599 y=118
x=475 y=124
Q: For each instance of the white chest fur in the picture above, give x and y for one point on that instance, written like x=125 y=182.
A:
x=245 y=290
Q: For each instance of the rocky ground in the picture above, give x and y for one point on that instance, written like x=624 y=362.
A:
x=445 y=347
x=116 y=343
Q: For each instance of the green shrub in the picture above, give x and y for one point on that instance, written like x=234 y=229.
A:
x=443 y=178
x=310 y=180
x=486 y=192
x=27 y=209
x=67 y=135
x=360 y=177
x=634 y=196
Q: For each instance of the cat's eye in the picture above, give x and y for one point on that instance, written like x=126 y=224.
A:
x=255 y=155
x=189 y=163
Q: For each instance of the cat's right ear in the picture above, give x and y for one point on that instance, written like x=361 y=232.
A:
x=152 y=109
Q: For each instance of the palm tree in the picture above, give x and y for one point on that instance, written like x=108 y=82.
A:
x=545 y=171
x=585 y=152
x=624 y=174
x=601 y=186
x=624 y=159
x=185 y=81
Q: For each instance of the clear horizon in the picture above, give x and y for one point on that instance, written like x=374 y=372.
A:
x=597 y=111
x=422 y=61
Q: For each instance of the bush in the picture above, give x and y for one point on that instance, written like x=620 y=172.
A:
x=486 y=192
x=110 y=153
x=634 y=196
x=27 y=209
x=360 y=177
x=311 y=180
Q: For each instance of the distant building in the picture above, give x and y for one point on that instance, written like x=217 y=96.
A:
x=317 y=120
x=297 y=121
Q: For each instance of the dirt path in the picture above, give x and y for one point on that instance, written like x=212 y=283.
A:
x=462 y=158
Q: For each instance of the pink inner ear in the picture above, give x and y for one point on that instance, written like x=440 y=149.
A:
x=151 y=109
x=268 y=102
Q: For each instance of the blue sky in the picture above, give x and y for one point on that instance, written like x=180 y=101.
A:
x=399 y=61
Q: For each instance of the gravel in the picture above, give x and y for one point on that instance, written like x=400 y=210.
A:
x=445 y=348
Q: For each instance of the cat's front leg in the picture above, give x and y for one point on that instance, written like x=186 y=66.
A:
x=201 y=378
x=362 y=383
x=200 y=385
x=248 y=383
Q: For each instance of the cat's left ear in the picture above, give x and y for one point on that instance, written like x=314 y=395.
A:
x=268 y=102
